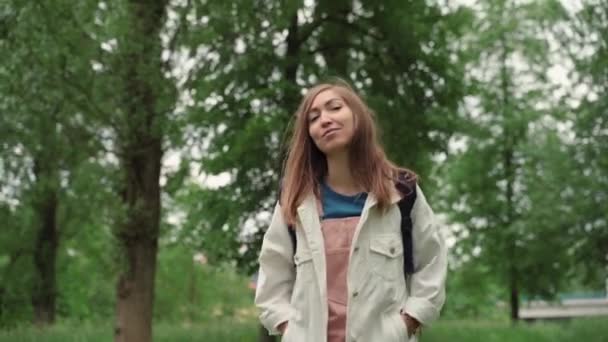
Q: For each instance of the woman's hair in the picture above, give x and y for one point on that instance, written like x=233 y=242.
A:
x=306 y=166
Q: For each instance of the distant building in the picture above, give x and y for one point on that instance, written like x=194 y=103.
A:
x=567 y=306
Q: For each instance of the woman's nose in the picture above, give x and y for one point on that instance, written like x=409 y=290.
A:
x=324 y=119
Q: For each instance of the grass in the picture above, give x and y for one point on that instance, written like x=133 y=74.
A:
x=163 y=332
x=587 y=330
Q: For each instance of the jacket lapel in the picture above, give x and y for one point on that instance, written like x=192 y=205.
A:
x=311 y=229
x=309 y=218
x=369 y=203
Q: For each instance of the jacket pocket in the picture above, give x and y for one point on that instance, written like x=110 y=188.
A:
x=301 y=288
x=402 y=333
x=304 y=268
x=386 y=256
x=287 y=334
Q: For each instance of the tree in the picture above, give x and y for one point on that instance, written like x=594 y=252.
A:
x=583 y=38
x=144 y=100
x=86 y=53
x=39 y=140
x=264 y=61
x=490 y=186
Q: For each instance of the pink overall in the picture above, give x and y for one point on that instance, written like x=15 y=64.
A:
x=338 y=235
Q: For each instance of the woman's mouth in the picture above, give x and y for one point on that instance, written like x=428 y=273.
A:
x=330 y=131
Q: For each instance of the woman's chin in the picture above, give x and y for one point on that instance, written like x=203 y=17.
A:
x=334 y=149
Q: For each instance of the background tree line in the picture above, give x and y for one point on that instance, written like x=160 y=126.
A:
x=116 y=115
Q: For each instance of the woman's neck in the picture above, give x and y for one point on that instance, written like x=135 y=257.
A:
x=339 y=175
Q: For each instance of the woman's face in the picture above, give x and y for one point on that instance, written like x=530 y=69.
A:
x=330 y=122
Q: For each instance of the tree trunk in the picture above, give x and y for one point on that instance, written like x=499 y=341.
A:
x=141 y=157
x=292 y=62
x=135 y=292
x=45 y=246
x=12 y=260
x=508 y=154
x=291 y=94
x=138 y=238
x=514 y=296
x=335 y=36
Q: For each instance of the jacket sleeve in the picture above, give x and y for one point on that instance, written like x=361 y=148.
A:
x=276 y=275
x=427 y=283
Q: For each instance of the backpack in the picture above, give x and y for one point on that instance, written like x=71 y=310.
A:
x=407 y=188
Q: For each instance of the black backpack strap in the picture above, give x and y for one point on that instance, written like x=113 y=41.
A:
x=292 y=234
x=290 y=228
x=407 y=187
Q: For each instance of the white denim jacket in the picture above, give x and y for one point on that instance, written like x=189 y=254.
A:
x=293 y=287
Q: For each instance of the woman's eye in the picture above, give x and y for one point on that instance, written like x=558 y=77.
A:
x=336 y=108
x=313 y=118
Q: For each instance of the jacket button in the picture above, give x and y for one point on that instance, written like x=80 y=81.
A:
x=392 y=250
x=356 y=249
x=355 y=294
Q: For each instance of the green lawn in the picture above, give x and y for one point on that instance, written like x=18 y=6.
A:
x=583 y=330
x=591 y=330
x=220 y=331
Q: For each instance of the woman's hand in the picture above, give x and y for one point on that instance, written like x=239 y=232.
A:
x=411 y=323
x=281 y=328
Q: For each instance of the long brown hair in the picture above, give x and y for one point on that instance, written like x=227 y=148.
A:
x=306 y=165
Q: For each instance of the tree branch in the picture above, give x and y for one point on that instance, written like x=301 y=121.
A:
x=177 y=34
x=308 y=29
x=355 y=27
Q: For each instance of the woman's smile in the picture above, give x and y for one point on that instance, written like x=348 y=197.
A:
x=330 y=132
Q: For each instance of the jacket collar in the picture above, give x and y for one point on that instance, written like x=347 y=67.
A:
x=308 y=207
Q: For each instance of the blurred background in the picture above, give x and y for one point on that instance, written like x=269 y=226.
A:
x=141 y=143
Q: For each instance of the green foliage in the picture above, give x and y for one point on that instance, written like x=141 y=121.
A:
x=472 y=293
x=396 y=53
x=505 y=189
x=186 y=291
x=589 y=28
x=525 y=197
x=190 y=292
x=46 y=142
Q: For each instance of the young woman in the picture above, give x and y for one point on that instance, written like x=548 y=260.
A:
x=342 y=278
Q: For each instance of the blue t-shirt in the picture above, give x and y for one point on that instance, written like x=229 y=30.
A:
x=336 y=205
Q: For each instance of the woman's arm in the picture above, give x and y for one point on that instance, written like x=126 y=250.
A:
x=427 y=283
x=276 y=275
